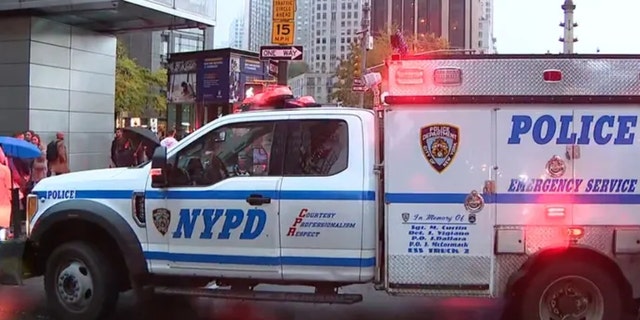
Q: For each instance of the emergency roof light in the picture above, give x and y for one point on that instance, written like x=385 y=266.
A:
x=447 y=76
x=276 y=97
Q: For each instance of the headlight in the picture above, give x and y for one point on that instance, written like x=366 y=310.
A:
x=32 y=209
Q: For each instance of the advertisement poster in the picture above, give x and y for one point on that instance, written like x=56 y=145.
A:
x=235 y=86
x=182 y=81
x=214 y=80
x=244 y=69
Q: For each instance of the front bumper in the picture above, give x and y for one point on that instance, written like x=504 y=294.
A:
x=12 y=253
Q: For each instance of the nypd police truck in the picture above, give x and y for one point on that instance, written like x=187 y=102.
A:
x=480 y=175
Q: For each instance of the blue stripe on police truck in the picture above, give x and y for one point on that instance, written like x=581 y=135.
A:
x=223 y=194
x=261 y=260
x=514 y=198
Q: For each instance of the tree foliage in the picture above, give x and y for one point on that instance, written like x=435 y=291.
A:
x=137 y=88
x=350 y=67
x=296 y=68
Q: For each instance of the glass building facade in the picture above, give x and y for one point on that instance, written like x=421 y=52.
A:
x=451 y=19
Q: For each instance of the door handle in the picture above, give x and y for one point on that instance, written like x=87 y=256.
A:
x=258 y=200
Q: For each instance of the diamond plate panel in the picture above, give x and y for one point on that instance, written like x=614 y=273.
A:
x=506 y=265
x=436 y=270
x=429 y=270
x=541 y=237
x=509 y=77
x=439 y=270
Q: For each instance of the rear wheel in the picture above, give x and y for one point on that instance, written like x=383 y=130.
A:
x=571 y=290
x=80 y=283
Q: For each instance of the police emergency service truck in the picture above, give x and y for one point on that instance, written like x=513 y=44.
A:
x=484 y=176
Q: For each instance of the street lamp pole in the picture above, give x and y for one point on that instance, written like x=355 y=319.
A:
x=366 y=8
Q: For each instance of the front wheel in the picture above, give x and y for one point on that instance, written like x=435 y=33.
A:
x=571 y=290
x=80 y=283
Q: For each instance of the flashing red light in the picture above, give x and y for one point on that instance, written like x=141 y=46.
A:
x=552 y=76
x=275 y=97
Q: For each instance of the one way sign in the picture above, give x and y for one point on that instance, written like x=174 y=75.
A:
x=281 y=53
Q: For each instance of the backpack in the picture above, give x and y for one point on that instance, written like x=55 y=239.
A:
x=52 y=151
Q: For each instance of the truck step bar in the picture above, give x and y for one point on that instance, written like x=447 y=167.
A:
x=303 y=297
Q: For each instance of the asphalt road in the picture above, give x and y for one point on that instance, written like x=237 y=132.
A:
x=27 y=303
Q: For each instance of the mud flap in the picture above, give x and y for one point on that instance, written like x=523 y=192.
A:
x=11 y=261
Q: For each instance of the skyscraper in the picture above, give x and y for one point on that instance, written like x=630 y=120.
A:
x=258 y=28
x=303 y=26
x=334 y=25
x=237 y=35
x=458 y=21
x=486 y=41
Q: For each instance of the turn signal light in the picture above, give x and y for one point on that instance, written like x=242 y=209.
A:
x=32 y=209
x=575 y=233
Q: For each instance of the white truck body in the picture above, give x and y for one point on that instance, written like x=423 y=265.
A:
x=484 y=165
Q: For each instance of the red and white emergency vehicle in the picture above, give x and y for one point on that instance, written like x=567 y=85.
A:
x=483 y=175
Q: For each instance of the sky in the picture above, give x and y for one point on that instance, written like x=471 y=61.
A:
x=531 y=26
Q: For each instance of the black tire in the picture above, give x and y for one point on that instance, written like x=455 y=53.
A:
x=104 y=290
x=528 y=302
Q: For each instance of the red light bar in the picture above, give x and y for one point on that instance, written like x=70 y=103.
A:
x=275 y=97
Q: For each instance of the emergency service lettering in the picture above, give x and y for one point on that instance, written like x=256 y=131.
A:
x=301 y=221
x=567 y=130
x=230 y=219
x=574 y=185
x=60 y=194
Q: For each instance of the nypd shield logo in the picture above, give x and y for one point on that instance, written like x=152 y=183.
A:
x=439 y=144
x=162 y=220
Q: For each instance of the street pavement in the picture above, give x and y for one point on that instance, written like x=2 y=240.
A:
x=28 y=303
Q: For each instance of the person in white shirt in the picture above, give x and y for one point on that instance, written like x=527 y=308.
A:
x=170 y=141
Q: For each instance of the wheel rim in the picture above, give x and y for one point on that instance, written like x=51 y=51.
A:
x=74 y=286
x=572 y=298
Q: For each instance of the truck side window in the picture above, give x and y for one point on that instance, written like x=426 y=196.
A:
x=316 y=148
x=236 y=150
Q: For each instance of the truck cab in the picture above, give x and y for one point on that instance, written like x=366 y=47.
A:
x=276 y=196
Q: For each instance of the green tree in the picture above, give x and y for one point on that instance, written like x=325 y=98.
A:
x=137 y=88
x=296 y=68
x=350 y=67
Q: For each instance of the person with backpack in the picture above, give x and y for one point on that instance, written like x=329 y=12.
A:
x=57 y=156
x=122 y=151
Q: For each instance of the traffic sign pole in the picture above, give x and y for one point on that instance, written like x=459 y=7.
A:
x=283 y=31
x=283 y=69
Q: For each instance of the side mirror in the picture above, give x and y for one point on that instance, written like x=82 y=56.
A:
x=158 y=168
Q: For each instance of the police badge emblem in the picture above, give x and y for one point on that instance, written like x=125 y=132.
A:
x=556 y=167
x=439 y=144
x=162 y=220
x=405 y=217
x=474 y=202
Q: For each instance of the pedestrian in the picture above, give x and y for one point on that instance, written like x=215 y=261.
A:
x=5 y=191
x=21 y=168
x=122 y=150
x=28 y=134
x=39 y=168
x=57 y=156
x=170 y=141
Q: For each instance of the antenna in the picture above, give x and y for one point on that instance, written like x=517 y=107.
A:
x=568 y=26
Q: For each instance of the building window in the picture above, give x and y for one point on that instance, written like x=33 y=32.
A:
x=434 y=17
x=396 y=13
x=409 y=16
x=423 y=16
x=456 y=23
